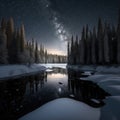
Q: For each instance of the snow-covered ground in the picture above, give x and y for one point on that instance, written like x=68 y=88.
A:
x=64 y=109
x=108 y=78
x=58 y=65
x=113 y=69
x=8 y=71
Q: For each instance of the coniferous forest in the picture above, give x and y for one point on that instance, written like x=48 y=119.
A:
x=15 y=49
x=100 y=45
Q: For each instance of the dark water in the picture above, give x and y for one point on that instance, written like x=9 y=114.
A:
x=22 y=95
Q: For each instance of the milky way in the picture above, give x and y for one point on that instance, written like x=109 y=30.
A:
x=52 y=22
x=54 y=19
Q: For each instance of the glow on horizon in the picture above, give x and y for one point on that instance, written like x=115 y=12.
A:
x=56 y=52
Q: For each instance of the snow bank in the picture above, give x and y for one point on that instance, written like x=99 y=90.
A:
x=58 y=65
x=109 y=82
x=17 y=70
x=111 y=111
x=108 y=69
x=64 y=109
x=82 y=67
x=113 y=69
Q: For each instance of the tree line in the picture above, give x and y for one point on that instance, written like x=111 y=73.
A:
x=15 y=49
x=96 y=46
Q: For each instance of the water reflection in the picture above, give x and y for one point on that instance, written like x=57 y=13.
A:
x=85 y=91
x=22 y=95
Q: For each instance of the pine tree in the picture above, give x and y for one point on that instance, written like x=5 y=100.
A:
x=76 y=51
x=3 y=47
x=10 y=32
x=22 y=30
x=36 y=54
x=14 y=51
x=72 y=51
x=82 y=47
x=118 y=40
x=46 y=56
x=3 y=24
x=100 y=41
x=93 y=47
x=87 y=46
x=113 y=44
x=106 y=46
x=68 y=52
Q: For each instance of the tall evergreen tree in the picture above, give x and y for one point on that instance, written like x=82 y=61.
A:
x=106 y=46
x=3 y=47
x=10 y=32
x=22 y=30
x=68 y=52
x=82 y=47
x=3 y=24
x=118 y=40
x=100 y=41
x=93 y=47
x=36 y=54
x=76 y=52
x=87 y=46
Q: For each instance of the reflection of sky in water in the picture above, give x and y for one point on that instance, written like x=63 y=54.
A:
x=56 y=78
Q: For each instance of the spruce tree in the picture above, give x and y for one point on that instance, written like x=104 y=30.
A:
x=3 y=24
x=10 y=32
x=68 y=52
x=118 y=40
x=106 y=46
x=82 y=47
x=3 y=47
x=22 y=38
x=100 y=41
x=36 y=54
x=93 y=47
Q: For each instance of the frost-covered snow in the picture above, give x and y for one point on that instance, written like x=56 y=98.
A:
x=17 y=70
x=113 y=69
x=109 y=82
x=64 y=109
x=111 y=111
x=108 y=69
x=108 y=78
x=58 y=65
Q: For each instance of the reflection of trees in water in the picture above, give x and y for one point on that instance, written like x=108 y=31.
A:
x=36 y=82
x=58 y=70
x=84 y=90
x=12 y=94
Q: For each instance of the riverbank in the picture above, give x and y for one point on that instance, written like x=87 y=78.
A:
x=102 y=69
x=11 y=71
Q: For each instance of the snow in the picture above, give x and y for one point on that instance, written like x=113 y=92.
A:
x=86 y=73
x=113 y=69
x=108 y=78
x=108 y=69
x=58 y=65
x=82 y=67
x=110 y=83
x=8 y=71
x=64 y=109
x=111 y=111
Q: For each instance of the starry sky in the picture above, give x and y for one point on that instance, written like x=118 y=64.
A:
x=52 y=22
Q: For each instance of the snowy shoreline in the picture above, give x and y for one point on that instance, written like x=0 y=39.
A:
x=13 y=71
x=102 y=69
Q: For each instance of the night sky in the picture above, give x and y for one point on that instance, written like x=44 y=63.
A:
x=52 y=22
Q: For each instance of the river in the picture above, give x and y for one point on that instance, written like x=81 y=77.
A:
x=20 y=96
